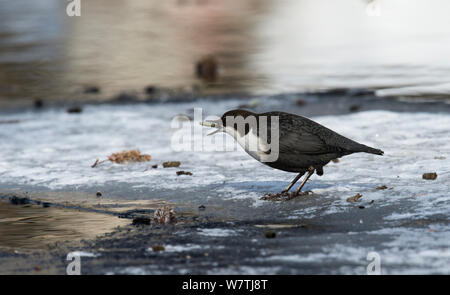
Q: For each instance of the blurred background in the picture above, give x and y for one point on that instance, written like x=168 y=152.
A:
x=399 y=47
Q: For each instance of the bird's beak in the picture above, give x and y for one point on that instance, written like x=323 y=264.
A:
x=213 y=124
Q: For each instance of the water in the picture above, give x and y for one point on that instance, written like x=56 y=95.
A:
x=36 y=227
x=261 y=46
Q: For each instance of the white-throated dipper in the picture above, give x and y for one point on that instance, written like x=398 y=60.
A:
x=287 y=142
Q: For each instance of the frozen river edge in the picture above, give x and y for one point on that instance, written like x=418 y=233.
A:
x=407 y=224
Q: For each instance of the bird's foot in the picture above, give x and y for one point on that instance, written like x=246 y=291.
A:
x=284 y=196
x=299 y=194
x=276 y=197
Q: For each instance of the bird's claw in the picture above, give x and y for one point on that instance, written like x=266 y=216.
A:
x=276 y=197
x=284 y=196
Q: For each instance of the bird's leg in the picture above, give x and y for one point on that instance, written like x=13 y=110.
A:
x=293 y=182
x=285 y=195
x=311 y=170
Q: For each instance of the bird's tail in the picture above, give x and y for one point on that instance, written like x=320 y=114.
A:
x=370 y=150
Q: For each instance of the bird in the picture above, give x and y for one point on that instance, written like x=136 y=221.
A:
x=304 y=146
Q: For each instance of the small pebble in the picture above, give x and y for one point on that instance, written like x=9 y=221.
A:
x=99 y=194
x=157 y=248
x=171 y=164
x=429 y=176
x=300 y=102
x=201 y=207
x=355 y=198
x=206 y=68
x=38 y=103
x=155 y=166
x=354 y=108
x=19 y=201
x=381 y=187
x=141 y=220
x=184 y=173
x=91 y=90
x=150 y=89
x=74 y=110
x=270 y=234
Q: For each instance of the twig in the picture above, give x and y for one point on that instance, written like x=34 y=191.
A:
x=97 y=162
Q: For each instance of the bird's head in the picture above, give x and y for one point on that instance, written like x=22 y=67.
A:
x=227 y=123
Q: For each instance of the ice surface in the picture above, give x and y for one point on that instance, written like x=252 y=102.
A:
x=179 y=248
x=216 y=232
x=84 y=254
x=55 y=150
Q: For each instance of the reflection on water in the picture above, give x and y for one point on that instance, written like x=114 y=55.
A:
x=34 y=227
x=261 y=45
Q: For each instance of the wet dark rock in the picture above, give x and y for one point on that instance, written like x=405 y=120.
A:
x=126 y=97
x=150 y=90
x=361 y=207
x=352 y=92
x=154 y=166
x=381 y=187
x=74 y=110
x=206 y=68
x=334 y=92
x=91 y=90
x=157 y=248
x=354 y=108
x=429 y=176
x=141 y=220
x=99 y=194
x=300 y=102
x=355 y=198
x=38 y=103
x=184 y=173
x=270 y=234
x=19 y=201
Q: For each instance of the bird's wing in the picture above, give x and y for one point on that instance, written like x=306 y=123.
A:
x=303 y=136
x=303 y=142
